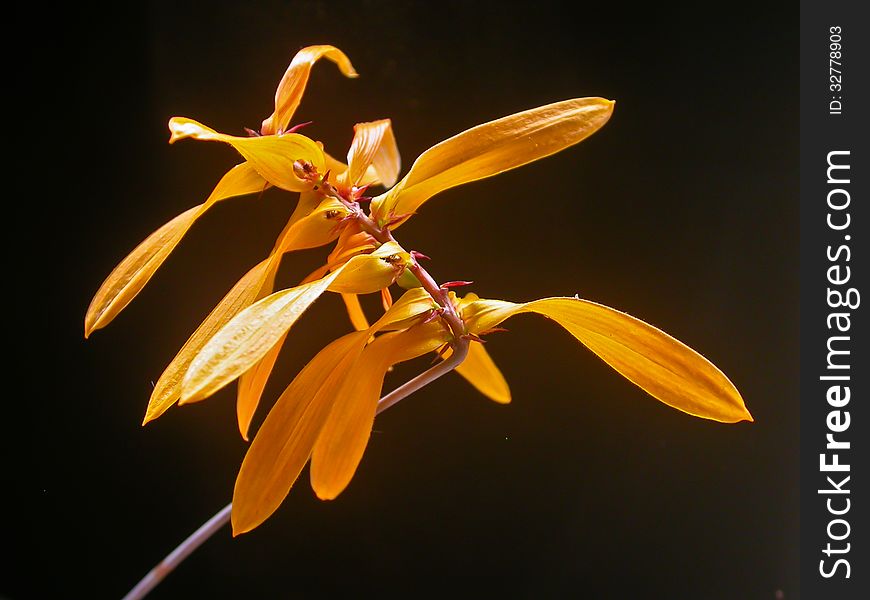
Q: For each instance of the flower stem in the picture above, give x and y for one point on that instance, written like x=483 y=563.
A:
x=174 y=558
x=210 y=527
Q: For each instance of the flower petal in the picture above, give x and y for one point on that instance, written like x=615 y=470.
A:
x=492 y=148
x=362 y=274
x=315 y=229
x=659 y=364
x=292 y=85
x=167 y=390
x=251 y=385
x=480 y=370
x=131 y=275
x=271 y=155
x=345 y=434
x=373 y=145
x=249 y=336
x=355 y=312
x=405 y=311
x=284 y=442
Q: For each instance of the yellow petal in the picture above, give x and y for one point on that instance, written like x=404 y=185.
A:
x=405 y=311
x=271 y=155
x=292 y=85
x=662 y=366
x=355 y=312
x=167 y=390
x=369 y=273
x=249 y=336
x=480 y=370
x=315 y=229
x=492 y=148
x=293 y=237
x=283 y=444
x=345 y=434
x=246 y=339
x=131 y=275
x=373 y=145
x=351 y=241
x=251 y=386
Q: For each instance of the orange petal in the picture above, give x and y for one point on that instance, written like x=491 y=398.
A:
x=249 y=336
x=386 y=298
x=351 y=241
x=345 y=434
x=662 y=366
x=368 y=273
x=373 y=145
x=131 y=275
x=283 y=444
x=251 y=386
x=167 y=390
x=355 y=312
x=319 y=227
x=246 y=339
x=492 y=148
x=480 y=370
x=405 y=311
x=292 y=85
x=271 y=155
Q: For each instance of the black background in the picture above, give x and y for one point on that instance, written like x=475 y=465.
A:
x=681 y=211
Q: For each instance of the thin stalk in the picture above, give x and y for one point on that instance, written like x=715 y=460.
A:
x=198 y=537
x=174 y=558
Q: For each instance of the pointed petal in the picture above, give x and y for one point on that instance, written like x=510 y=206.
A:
x=315 y=229
x=292 y=85
x=167 y=390
x=271 y=155
x=373 y=145
x=386 y=298
x=251 y=386
x=355 y=312
x=246 y=339
x=480 y=370
x=492 y=148
x=131 y=275
x=659 y=364
x=369 y=273
x=283 y=444
x=344 y=436
x=405 y=311
x=351 y=241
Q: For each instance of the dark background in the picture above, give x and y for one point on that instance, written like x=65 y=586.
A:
x=681 y=211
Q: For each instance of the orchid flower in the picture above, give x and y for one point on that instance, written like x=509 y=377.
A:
x=325 y=415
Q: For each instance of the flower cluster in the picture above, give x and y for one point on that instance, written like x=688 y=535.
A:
x=325 y=415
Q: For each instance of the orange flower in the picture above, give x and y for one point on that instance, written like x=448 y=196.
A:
x=326 y=413
x=269 y=159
